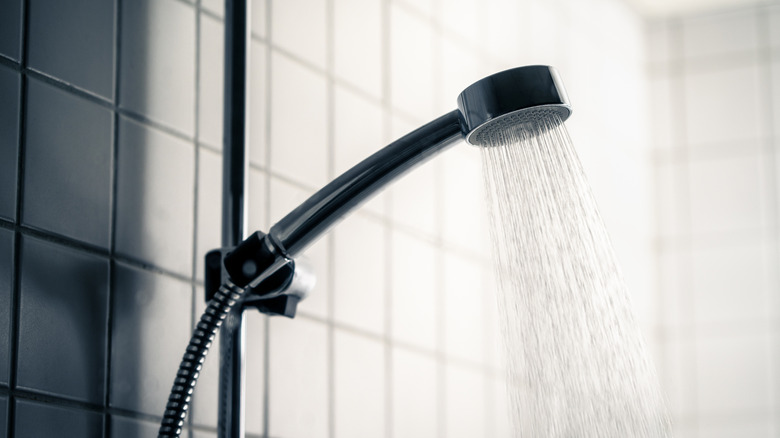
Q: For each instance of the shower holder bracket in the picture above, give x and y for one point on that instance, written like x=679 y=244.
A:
x=277 y=294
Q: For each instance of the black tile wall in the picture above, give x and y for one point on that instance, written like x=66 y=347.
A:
x=74 y=41
x=10 y=25
x=9 y=138
x=67 y=182
x=63 y=321
x=37 y=420
x=151 y=328
x=6 y=288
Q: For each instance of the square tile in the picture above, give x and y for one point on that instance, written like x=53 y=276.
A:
x=155 y=199
x=122 y=427
x=209 y=219
x=9 y=140
x=211 y=82
x=216 y=7
x=675 y=369
x=256 y=341
x=284 y=198
x=258 y=103
x=728 y=194
x=412 y=80
x=414 y=394
x=74 y=42
x=357 y=42
x=465 y=408
x=663 y=113
x=675 y=293
x=299 y=140
x=10 y=25
x=358 y=132
x=504 y=37
x=671 y=204
x=501 y=418
x=6 y=290
x=63 y=321
x=462 y=64
x=37 y=420
x=298 y=378
x=464 y=217
x=151 y=328
x=721 y=33
x=464 y=299
x=724 y=105
x=734 y=375
x=259 y=18
x=67 y=187
x=659 y=34
x=413 y=281
x=304 y=35
x=359 y=385
x=456 y=13
x=3 y=413
x=359 y=270
x=733 y=283
x=157 y=77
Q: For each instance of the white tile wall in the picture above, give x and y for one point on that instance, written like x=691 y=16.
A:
x=716 y=221
x=413 y=286
x=298 y=372
x=723 y=105
x=302 y=34
x=357 y=28
x=298 y=122
x=359 y=385
x=414 y=394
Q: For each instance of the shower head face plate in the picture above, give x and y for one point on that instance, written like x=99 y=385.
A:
x=502 y=100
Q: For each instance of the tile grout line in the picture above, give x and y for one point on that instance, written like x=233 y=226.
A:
x=112 y=219
x=689 y=332
x=17 y=243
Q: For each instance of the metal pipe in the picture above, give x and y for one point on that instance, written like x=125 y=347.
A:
x=234 y=176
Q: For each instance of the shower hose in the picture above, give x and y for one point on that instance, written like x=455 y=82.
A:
x=224 y=299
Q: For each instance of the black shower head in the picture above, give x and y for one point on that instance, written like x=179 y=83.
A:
x=502 y=100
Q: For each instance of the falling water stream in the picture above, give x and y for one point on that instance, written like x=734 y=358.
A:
x=576 y=359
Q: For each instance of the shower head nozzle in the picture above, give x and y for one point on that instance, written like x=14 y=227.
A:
x=506 y=98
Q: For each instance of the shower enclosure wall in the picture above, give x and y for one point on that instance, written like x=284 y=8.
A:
x=102 y=273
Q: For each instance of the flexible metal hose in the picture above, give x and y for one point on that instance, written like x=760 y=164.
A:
x=189 y=369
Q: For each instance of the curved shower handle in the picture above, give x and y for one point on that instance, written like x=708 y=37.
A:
x=302 y=226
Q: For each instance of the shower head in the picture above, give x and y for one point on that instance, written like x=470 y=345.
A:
x=506 y=99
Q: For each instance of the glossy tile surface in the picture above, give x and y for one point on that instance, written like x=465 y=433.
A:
x=63 y=321
x=68 y=160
